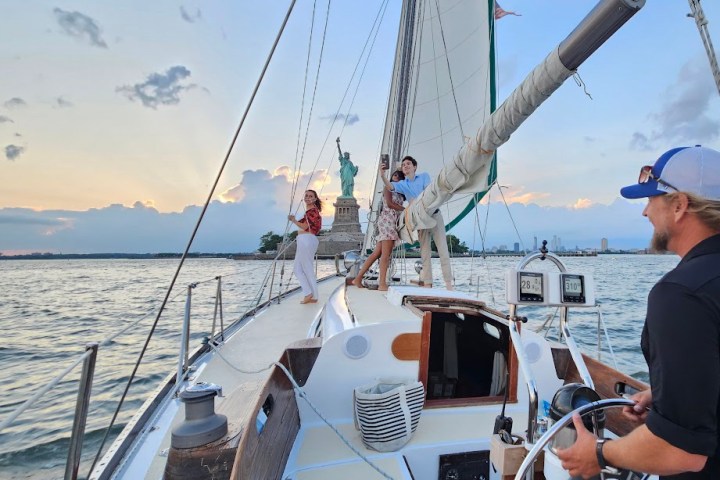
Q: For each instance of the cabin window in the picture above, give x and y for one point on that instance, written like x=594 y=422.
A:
x=466 y=357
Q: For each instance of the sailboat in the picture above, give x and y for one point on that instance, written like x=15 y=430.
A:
x=285 y=392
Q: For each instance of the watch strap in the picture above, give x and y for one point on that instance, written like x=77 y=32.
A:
x=599 y=452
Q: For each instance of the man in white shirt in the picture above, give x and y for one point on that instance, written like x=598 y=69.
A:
x=411 y=187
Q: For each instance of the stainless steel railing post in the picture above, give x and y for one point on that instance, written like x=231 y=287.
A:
x=574 y=349
x=272 y=282
x=81 y=411
x=529 y=378
x=218 y=307
x=185 y=339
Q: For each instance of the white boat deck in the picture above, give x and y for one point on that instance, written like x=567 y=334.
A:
x=258 y=344
x=320 y=454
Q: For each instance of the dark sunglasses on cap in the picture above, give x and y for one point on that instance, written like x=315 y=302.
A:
x=646 y=175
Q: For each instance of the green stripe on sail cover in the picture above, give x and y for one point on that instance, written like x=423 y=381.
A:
x=492 y=175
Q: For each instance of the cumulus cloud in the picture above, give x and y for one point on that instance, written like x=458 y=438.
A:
x=190 y=17
x=60 y=102
x=4 y=119
x=12 y=152
x=517 y=194
x=80 y=26
x=349 y=119
x=582 y=203
x=275 y=187
x=159 y=88
x=15 y=102
x=683 y=114
x=233 y=226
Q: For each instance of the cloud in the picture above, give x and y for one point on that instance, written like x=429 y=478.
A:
x=4 y=119
x=640 y=141
x=683 y=114
x=273 y=188
x=80 y=26
x=582 y=203
x=621 y=223
x=236 y=226
x=29 y=218
x=60 y=102
x=349 y=119
x=159 y=88
x=15 y=102
x=12 y=152
x=188 y=17
x=513 y=194
x=233 y=226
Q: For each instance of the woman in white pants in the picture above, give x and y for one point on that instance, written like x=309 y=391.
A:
x=307 y=243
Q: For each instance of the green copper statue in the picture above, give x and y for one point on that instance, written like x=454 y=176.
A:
x=347 y=172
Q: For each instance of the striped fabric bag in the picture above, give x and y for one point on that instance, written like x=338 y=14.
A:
x=388 y=412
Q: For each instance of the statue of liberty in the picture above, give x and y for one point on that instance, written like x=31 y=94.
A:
x=347 y=173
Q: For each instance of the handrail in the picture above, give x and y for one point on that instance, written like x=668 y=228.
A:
x=81 y=411
x=40 y=393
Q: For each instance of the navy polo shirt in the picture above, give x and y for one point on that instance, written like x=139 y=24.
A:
x=681 y=344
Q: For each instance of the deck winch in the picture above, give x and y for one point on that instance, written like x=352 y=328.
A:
x=201 y=425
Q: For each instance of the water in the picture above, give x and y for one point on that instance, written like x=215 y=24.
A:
x=51 y=309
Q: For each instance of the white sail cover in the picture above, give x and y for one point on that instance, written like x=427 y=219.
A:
x=445 y=96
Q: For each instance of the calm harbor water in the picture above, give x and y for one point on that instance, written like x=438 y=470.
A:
x=50 y=309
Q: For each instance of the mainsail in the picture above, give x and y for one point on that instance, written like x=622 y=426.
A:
x=443 y=90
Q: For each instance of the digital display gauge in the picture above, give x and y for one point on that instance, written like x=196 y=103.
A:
x=573 y=288
x=530 y=286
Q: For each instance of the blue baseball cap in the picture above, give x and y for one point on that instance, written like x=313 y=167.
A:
x=685 y=169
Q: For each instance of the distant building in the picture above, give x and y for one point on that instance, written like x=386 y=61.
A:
x=534 y=243
x=603 y=244
x=516 y=247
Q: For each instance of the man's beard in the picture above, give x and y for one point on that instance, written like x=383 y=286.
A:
x=659 y=241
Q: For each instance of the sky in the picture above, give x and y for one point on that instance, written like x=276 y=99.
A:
x=116 y=116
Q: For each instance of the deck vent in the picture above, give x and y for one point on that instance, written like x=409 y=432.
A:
x=201 y=425
x=356 y=346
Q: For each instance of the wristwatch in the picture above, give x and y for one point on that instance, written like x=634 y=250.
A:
x=604 y=466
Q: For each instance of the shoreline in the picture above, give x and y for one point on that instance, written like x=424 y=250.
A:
x=266 y=256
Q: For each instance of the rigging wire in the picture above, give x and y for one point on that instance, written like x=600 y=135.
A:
x=507 y=207
x=302 y=110
x=312 y=104
x=195 y=230
x=374 y=28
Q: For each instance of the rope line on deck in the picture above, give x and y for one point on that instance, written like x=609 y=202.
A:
x=303 y=395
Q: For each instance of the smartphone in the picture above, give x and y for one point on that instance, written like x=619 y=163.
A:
x=385 y=161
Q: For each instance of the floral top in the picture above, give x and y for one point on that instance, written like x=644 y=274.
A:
x=314 y=220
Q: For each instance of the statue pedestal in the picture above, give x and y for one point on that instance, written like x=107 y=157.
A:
x=346 y=233
x=347 y=218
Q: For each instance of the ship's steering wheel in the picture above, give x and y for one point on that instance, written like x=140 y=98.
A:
x=562 y=423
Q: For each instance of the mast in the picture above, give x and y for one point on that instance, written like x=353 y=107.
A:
x=408 y=34
x=697 y=13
